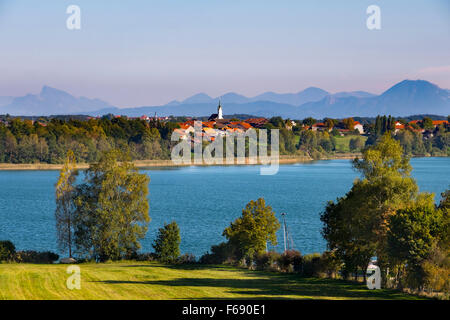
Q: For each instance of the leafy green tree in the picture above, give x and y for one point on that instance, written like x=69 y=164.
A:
x=65 y=206
x=251 y=232
x=111 y=208
x=167 y=244
x=330 y=123
x=411 y=236
x=309 y=121
x=427 y=123
x=7 y=250
x=356 y=225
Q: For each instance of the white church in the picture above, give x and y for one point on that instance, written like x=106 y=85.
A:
x=218 y=115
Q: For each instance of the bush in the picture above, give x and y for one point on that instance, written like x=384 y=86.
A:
x=221 y=253
x=267 y=260
x=187 y=258
x=311 y=266
x=330 y=264
x=36 y=257
x=7 y=250
x=356 y=144
x=291 y=260
x=146 y=256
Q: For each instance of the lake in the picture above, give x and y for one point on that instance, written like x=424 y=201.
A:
x=204 y=200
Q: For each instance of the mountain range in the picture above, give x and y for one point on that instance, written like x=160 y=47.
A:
x=49 y=101
x=405 y=98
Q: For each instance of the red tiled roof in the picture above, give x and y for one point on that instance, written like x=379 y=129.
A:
x=438 y=122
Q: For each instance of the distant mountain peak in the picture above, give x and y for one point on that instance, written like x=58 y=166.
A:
x=51 y=101
x=406 y=89
x=313 y=89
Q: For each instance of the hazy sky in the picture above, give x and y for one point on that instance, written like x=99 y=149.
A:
x=134 y=53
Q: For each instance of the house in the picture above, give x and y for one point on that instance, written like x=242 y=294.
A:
x=439 y=122
x=399 y=126
x=290 y=124
x=187 y=128
x=358 y=126
x=256 y=122
x=320 y=126
x=209 y=132
x=181 y=133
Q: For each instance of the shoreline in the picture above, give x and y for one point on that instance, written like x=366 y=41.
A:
x=167 y=163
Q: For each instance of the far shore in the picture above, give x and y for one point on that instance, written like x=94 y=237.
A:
x=168 y=163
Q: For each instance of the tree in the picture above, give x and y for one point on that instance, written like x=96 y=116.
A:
x=277 y=122
x=167 y=244
x=436 y=267
x=309 y=121
x=65 y=206
x=349 y=123
x=250 y=233
x=330 y=123
x=356 y=143
x=7 y=250
x=411 y=236
x=356 y=225
x=427 y=123
x=111 y=208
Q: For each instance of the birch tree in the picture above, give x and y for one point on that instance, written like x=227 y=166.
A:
x=65 y=208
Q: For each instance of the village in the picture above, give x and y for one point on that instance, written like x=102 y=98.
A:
x=217 y=125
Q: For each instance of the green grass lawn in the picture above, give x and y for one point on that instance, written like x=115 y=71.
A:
x=138 y=280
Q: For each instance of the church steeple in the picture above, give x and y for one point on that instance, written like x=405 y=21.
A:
x=219 y=111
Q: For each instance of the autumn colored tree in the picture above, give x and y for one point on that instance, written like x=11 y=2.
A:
x=349 y=123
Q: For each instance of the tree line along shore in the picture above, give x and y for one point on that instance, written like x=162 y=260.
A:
x=47 y=140
x=166 y=163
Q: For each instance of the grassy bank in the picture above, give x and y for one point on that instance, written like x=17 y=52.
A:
x=139 y=280
x=160 y=163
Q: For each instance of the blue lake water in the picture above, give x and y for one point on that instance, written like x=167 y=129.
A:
x=204 y=200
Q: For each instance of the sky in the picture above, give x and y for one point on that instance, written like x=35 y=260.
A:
x=143 y=53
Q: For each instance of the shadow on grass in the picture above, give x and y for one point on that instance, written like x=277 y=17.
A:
x=183 y=266
x=272 y=285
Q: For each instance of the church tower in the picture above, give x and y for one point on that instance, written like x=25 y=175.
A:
x=219 y=111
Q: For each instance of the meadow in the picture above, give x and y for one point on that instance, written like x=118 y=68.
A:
x=154 y=281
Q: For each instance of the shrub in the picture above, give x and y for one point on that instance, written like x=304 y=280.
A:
x=187 y=258
x=146 y=256
x=311 y=266
x=36 y=257
x=7 y=250
x=330 y=264
x=290 y=260
x=267 y=260
x=221 y=253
